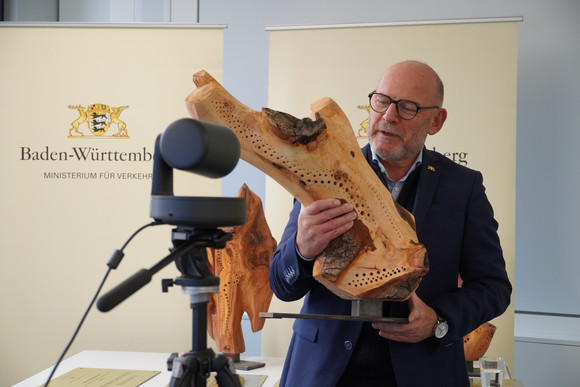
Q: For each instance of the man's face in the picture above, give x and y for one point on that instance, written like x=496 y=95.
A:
x=394 y=139
x=390 y=136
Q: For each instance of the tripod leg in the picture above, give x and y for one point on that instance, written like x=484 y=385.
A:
x=192 y=369
x=199 y=334
x=225 y=376
x=183 y=369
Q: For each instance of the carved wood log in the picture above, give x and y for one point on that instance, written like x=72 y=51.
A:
x=242 y=267
x=319 y=158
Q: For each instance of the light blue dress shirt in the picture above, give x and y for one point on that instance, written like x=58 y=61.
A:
x=393 y=186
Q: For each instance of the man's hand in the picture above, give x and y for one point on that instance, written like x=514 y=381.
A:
x=422 y=319
x=321 y=222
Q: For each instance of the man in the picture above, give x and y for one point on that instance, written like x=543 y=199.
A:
x=454 y=221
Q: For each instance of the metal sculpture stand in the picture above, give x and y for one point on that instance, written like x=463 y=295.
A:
x=361 y=310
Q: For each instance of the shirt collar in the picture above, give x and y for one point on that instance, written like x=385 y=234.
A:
x=417 y=162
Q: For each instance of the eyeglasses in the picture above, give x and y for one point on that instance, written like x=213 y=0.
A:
x=407 y=110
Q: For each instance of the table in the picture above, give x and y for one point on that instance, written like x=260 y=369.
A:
x=158 y=362
x=145 y=361
x=506 y=383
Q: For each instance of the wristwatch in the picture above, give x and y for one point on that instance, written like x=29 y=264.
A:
x=440 y=328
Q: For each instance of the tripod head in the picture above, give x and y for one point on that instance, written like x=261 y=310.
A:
x=196 y=279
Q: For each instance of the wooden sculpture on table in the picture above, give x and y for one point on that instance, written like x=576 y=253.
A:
x=476 y=342
x=242 y=267
x=319 y=158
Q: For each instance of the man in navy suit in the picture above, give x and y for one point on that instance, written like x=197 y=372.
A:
x=454 y=221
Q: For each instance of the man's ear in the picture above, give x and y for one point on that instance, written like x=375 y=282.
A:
x=437 y=121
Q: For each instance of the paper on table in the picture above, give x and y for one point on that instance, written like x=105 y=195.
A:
x=246 y=380
x=102 y=377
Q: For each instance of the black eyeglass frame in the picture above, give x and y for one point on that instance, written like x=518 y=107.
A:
x=396 y=102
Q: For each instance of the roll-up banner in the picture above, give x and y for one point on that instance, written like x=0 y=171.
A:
x=80 y=109
x=477 y=61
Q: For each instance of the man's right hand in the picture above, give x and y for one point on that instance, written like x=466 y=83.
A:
x=321 y=222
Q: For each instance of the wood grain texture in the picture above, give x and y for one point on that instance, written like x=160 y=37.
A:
x=242 y=267
x=319 y=158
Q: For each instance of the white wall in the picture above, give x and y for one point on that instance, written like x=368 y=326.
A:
x=177 y=11
x=31 y=10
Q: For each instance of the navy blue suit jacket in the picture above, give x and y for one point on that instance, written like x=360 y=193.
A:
x=455 y=222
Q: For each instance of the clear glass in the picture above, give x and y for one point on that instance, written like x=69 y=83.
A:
x=492 y=370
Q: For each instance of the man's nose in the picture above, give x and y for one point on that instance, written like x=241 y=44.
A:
x=391 y=113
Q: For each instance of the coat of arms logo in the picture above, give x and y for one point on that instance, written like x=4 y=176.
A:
x=99 y=119
x=363 y=130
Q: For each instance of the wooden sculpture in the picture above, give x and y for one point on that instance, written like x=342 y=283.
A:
x=319 y=158
x=476 y=342
x=242 y=267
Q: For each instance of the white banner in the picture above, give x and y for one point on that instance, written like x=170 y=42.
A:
x=477 y=62
x=80 y=109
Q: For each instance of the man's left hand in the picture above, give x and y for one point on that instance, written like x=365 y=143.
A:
x=422 y=319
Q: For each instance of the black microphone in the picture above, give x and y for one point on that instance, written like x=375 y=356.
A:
x=124 y=290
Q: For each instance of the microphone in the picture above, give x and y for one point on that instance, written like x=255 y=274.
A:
x=142 y=277
x=124 y=290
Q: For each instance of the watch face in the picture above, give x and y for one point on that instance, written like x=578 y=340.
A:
x=441 y=330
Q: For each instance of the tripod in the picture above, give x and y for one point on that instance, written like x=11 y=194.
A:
x=212 y=151
x=193 y=368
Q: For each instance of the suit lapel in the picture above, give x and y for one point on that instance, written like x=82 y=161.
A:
x=428 y=178
x=426 y=185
